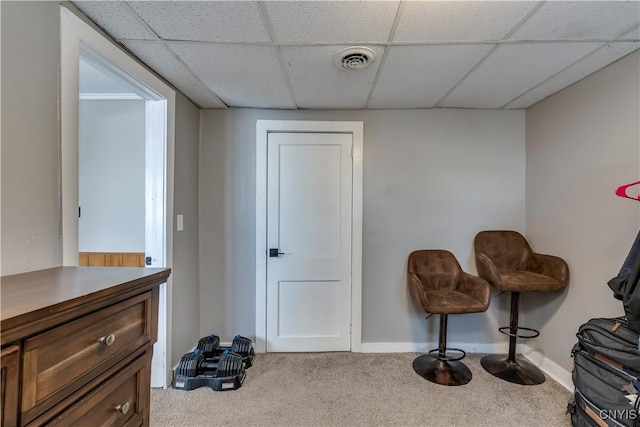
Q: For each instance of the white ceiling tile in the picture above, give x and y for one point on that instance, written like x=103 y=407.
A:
x=559 y=20
x=223 y=21
x=161 y=59
x=241 y=75
x=511 y=70
x=592 y=63
x=332 y=21
x=418 y=76
x=116 y=18
x=318 y=83
x=459 y=20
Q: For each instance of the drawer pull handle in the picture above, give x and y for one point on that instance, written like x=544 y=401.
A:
x=123 y=409
x=108 y=340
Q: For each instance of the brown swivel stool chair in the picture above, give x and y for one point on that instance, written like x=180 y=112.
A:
x=505 y=260
x=440 y=286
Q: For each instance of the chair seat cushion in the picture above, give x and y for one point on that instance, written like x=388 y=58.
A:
x=526 y=281
x=451 y=302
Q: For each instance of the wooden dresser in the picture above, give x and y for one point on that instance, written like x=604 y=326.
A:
x=77 y=345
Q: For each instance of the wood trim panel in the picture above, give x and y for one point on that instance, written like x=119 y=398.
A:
x=83 y=259
x=111 y=259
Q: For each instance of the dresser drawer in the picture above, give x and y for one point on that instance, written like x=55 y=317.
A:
x=116 y=402
x=9 y=405
x=61 y=360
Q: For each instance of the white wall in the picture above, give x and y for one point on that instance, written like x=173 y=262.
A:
x=432 y=179
x=111 y=171
x=581 y=144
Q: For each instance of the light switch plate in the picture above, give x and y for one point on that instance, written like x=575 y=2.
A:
x=180 y=222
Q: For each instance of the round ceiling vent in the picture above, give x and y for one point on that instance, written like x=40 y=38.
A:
x=355 y=58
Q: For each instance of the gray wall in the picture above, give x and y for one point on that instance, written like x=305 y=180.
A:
x=31 y=159
x=581 y=144
x=111 y=175
x=30 y=36
x=185 y=320
x=432 y=179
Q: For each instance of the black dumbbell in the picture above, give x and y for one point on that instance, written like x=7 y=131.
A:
x=209 y=346
x=194 y=364
x=244 y=348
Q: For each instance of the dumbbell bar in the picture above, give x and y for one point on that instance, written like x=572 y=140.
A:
x=210 y=347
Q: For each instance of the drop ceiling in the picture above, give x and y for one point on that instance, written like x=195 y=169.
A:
x=429 y=54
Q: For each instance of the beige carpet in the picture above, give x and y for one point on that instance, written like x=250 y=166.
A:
x=354 y=389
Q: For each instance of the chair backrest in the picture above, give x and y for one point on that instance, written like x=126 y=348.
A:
x=436 y=268
x=508 y=250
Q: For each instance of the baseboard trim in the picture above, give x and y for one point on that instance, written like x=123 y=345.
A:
x=549 y=367
x=412 y=347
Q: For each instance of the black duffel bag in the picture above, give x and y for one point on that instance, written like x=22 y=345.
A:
x=625 y=286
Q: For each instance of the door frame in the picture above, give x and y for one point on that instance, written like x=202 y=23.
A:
x=77 y=35
x=263 y=128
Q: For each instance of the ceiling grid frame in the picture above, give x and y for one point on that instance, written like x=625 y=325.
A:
x=176 y=57
x=584 y=29
x=593 y=52
x=392 y=33
x=272 y=34
x=475 y=67
x=141 y=21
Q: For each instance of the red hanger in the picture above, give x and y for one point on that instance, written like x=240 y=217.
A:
x=622 y=191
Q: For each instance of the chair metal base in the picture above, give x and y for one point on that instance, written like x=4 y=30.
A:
x=449 y=373
x=517 y=371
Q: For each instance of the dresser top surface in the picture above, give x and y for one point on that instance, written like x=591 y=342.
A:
x=29 y=292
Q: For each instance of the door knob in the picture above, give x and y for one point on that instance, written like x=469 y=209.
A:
x=273 y=253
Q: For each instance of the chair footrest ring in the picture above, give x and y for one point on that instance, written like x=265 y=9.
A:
x=507 y=331
x=445 y=357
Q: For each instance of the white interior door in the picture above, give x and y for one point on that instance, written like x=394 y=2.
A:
x=309 y=202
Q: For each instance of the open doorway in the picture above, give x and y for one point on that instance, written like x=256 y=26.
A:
x=121 y=167
x=97 y=166
x=111 y=169
x=121 y=173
